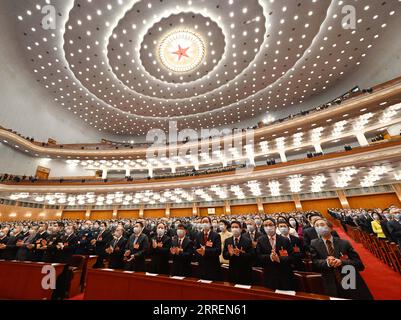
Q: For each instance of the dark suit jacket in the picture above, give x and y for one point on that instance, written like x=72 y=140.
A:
x=51 y=251
x=70 y=245
x=257 y=235
x=240 y=267
x=116 y=257
x=138 y=263
x=37 y=254
x=342 y=248
x=3 y=241
x=277 y=275
x=159 y=256
x=394 y=228
x=182 y=262
x=10 y=252
x=298 y=253
x=84 y=238
x=310 y=233
x=365 y=223
x=209 y=264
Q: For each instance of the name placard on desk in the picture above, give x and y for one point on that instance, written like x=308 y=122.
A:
x=242 y=286
x=287 y=292
x=177 y=278
x=151 y=274
x=205 y=281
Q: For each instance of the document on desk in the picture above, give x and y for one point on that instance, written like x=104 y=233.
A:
x=177 y=278
x=242 y=286
x=205 y=281
x=287 y=292
x=151 y=274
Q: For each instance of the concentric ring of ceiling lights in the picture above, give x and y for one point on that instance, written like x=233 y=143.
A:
x=276 y=54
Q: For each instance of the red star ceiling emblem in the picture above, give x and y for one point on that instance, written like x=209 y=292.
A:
x=181 y=52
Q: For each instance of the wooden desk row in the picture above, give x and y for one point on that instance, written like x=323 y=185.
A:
x=109 y=284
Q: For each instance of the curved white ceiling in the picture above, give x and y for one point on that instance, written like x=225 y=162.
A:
x=101 y=62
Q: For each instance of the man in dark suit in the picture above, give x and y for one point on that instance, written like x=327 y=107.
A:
x=252 y=232
x=394 y=227
x=207 y=252
x=3 y=240
x=67 y=245
x=329 y=256
x=274 y=253
x=103 y=236
x=115 y=249
x=182 y=252
x=25 y=251
x=55 y=233
x=160 y=251
x=310 y=233
x=39 y=242
x=136 y=249
x=85 y=237
x=364 y=221
x=14 y=242
x=238 y=250
x=298 y=252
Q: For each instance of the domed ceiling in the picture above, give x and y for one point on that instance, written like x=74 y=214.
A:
x=126 y=66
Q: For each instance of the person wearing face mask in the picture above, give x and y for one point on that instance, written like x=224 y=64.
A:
x=3 y=240
x=275 y=255
x=297 y=227
x=99 y=243
x=136 y=249
x=394 y=225
x=224 y=234
x=329 y=254
x=207 y=252
x=238 y=250
x=67 y=245
x=160 y=250
x=376 y=226
x=310 y=233
x=296 y=245
x=115 y=249
x=384 y=224
x=364 y=221
x=55 y=234
x=181 y=252
x=13 y=244
x=40 y=242
x=24 y=252
x=85 y=236
x=251 y=232
x=258 y=222
x=215 y=226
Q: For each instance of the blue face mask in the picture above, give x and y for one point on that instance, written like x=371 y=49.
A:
x=322 y=231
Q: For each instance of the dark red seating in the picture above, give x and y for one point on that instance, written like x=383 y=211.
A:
x=23 y=280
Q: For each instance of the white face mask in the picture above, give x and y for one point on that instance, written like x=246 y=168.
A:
x=223 y=227
x=270 y=230
x=180 y=233
x=284 y=231
x=160 y=232
x=137 y=230
x=235 y=231
x=206 y=226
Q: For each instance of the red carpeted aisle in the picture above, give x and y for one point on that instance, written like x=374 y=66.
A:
x=383 y=282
